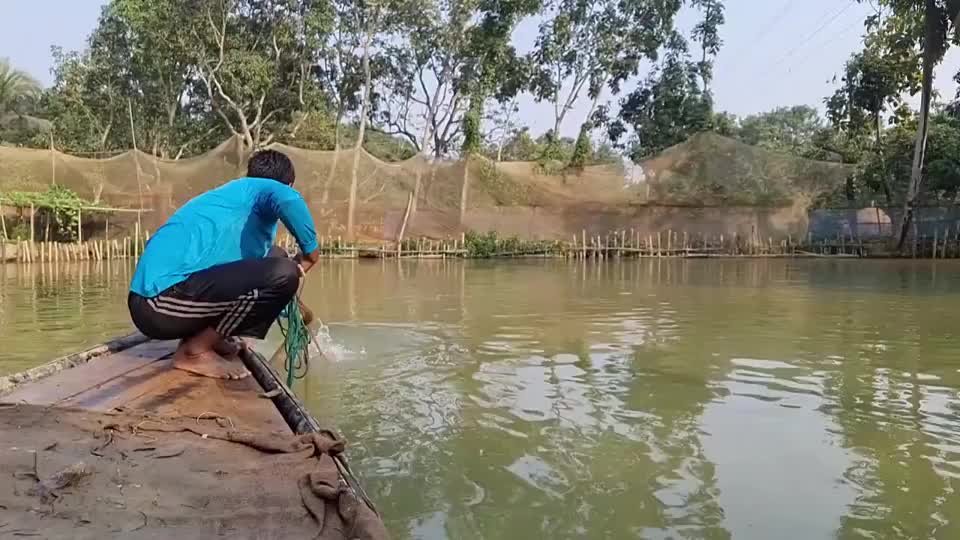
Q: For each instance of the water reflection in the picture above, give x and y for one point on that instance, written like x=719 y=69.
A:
x=47 y=310
x=651 y=399
x=660 y=399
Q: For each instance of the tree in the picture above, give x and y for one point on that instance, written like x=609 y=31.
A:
x=149 y=43
x=19 y=97
x=337 y=72
x=872 y=85
x=492 y=69
x=929 y=26
x=789 y=130
x=17 y=90
x=566 y=55
x=674 y=101
x=366 y=19
x=520 y=146
x=665 y=109
x=248 y=56
x=424 y=101
x=375 y=25
x=85 y=102
x=504 y=126
x=596 y=44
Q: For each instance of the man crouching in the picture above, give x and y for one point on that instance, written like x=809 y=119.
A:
x=209 y=273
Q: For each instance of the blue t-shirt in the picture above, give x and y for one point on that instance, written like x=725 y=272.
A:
x=235 y=221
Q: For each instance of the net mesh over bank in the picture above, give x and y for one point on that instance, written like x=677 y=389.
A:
x=706 y=172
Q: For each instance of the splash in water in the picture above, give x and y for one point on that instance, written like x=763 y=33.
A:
x=323 y=346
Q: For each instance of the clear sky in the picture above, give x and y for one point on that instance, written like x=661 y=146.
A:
x=776 y=52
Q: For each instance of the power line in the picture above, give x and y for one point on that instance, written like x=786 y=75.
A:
x=842 y=33
x=772 y=22
x=767 y=27
x=816 y=32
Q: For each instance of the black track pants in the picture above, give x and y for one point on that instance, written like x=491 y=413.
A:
x=242 y=298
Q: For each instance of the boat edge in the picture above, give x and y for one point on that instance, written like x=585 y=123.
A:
x=9 y=382
x=295 y=414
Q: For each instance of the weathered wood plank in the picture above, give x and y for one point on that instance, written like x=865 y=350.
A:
x=9 y=382
x=88 y=376
x=140 y=378
x=158 y=389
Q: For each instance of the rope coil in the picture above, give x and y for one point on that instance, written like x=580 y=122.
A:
x=297 y=338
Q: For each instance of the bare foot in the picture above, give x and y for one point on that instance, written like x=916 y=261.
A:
x=207 y=363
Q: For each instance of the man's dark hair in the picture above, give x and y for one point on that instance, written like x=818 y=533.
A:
x=273 y=165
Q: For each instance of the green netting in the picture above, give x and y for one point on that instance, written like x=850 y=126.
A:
x=711 y=170
x=515 y=197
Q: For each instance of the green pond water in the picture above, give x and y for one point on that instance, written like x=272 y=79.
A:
x=766 y=399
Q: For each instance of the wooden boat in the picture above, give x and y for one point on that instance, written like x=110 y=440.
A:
x=113 y=442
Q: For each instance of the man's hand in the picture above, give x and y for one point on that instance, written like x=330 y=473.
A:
x=306 y=261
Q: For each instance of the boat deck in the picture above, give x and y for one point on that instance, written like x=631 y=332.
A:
x=140 y=379
x=114 y=443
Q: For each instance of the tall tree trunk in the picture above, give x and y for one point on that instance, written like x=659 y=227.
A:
x=325 y=197
x=358 y=147
x=416 y=188
x=464 y=188
x=930 y=53
x=887 y=192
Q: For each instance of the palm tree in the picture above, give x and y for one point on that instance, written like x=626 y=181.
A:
x=18 y=90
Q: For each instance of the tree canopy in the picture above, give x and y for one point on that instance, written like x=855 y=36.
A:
x=443 y=78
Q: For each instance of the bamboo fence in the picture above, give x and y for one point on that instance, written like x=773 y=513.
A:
x=612 y=245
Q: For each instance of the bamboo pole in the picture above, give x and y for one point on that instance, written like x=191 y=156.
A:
x=956 y=240
x=3 y=223
x=79 y=226
x=936 y=237
x=403 y=225
x=32 y=213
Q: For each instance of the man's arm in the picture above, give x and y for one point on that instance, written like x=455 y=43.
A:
x=307 y=260
x=292 y=210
